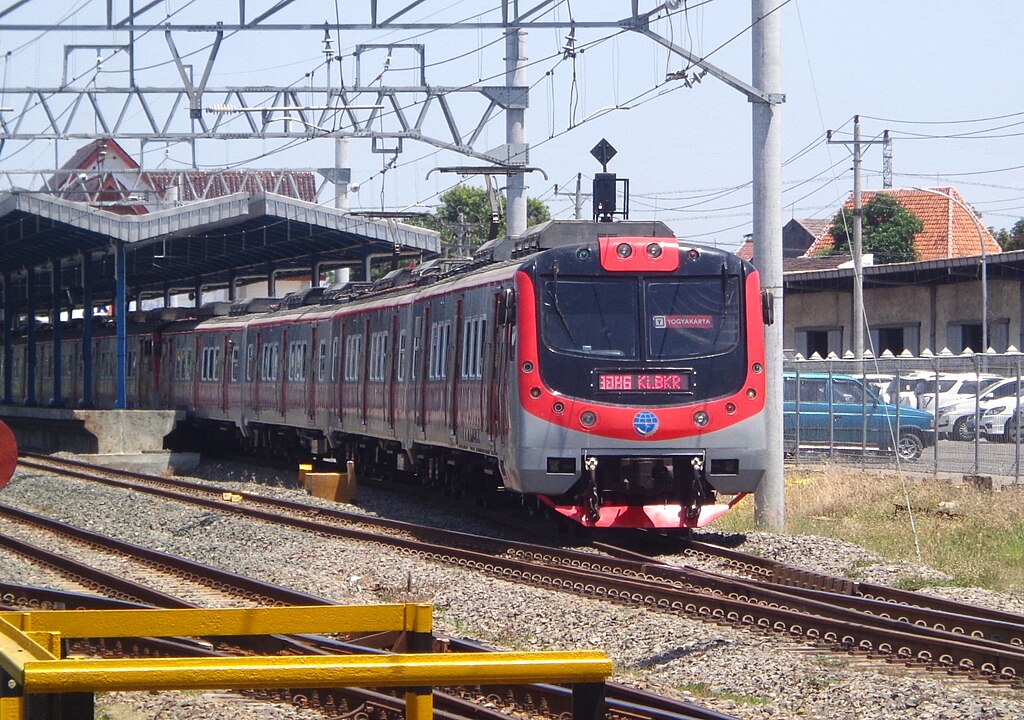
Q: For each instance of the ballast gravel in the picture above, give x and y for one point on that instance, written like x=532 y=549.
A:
x=737 y=672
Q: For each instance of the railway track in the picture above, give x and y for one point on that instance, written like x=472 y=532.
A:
x=875 y=621
x=117 y=591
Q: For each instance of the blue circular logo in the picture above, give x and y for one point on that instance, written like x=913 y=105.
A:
x=645 y=423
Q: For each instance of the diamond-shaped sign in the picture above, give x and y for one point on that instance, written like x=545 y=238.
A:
x=604 y=152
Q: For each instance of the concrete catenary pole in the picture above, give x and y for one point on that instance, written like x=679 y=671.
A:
x=766 y=52
x=858 y=246
x=515 y=130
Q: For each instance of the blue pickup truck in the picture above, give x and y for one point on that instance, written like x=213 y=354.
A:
x=838 y=412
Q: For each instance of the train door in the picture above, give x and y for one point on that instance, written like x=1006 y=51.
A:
x=340 y=354
x=282 y=378
x=192 y=375
x=420 y=335
x=225 y=374
x=392 y=374
x=257 y=374
x=503 y=352
x=456 y=365
x=313 y=373
x=365 y=378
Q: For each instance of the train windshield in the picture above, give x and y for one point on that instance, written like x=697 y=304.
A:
x=682 y=317
x=692 y=317
x=591 y=317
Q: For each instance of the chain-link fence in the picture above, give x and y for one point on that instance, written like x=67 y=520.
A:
x=947 y=413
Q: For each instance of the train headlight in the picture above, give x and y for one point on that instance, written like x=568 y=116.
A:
x=654 y=250
x=700 y=418
x=751 y=393
x=730 y=408
x=588 y=418
x=758 y=368
x=624 y=250
x=583 y=254
x=527 y=366
x=535 y=392
x=558 y=408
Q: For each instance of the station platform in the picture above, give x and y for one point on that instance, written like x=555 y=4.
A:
x=124 y=439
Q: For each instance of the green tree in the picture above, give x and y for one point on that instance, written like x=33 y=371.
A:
x=888 y=230
x=1012 y=239
x=464 y=217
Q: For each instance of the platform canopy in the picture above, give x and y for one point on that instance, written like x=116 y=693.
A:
x=207 y=243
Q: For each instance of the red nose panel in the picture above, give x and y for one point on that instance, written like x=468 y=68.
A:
x=639 y=254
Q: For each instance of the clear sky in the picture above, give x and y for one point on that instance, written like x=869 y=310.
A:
x=944 y=77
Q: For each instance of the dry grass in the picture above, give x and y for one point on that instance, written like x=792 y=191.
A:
x=974 y=535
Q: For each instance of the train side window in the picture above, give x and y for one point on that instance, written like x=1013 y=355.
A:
x=297 y=361
x=321 y=361
x=417 y=335
x=275 y=358
x=217 y=363
x=378 y=355
x=234 y=363
x=334 y=359
x=473 y=346
x=353 y=354
x=265 y=362
x=440 y=337
x=402 y=339
x=250 y=361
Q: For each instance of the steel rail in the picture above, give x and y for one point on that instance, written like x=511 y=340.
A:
x=531 y=696
x=818 y=619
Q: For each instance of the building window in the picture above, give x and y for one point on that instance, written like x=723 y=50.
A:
x=819 y=340
x=896 y=339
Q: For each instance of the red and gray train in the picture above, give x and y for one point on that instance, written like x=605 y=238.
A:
x=616 y=379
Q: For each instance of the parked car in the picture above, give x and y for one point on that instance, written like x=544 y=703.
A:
x=952 y=386
x=1000 y=419
x=837 y=411
x=878 y=382
x=956 y=414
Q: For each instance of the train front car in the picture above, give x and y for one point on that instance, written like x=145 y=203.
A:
x=640 y=382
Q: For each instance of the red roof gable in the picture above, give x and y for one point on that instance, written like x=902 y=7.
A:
x=949 y=230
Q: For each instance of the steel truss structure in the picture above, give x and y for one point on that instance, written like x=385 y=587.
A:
x=193 y=110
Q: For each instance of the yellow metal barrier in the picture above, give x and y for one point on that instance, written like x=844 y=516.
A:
x=33 y=670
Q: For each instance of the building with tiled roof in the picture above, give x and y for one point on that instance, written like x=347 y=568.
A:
x=102 y=173
x=949 y=231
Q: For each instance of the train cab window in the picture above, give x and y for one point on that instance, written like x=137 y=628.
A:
x=590 y=317
x=690 y=317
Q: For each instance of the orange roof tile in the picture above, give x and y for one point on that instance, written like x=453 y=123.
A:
x=949 y=231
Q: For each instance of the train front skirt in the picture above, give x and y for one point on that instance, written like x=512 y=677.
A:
x=662 y=517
